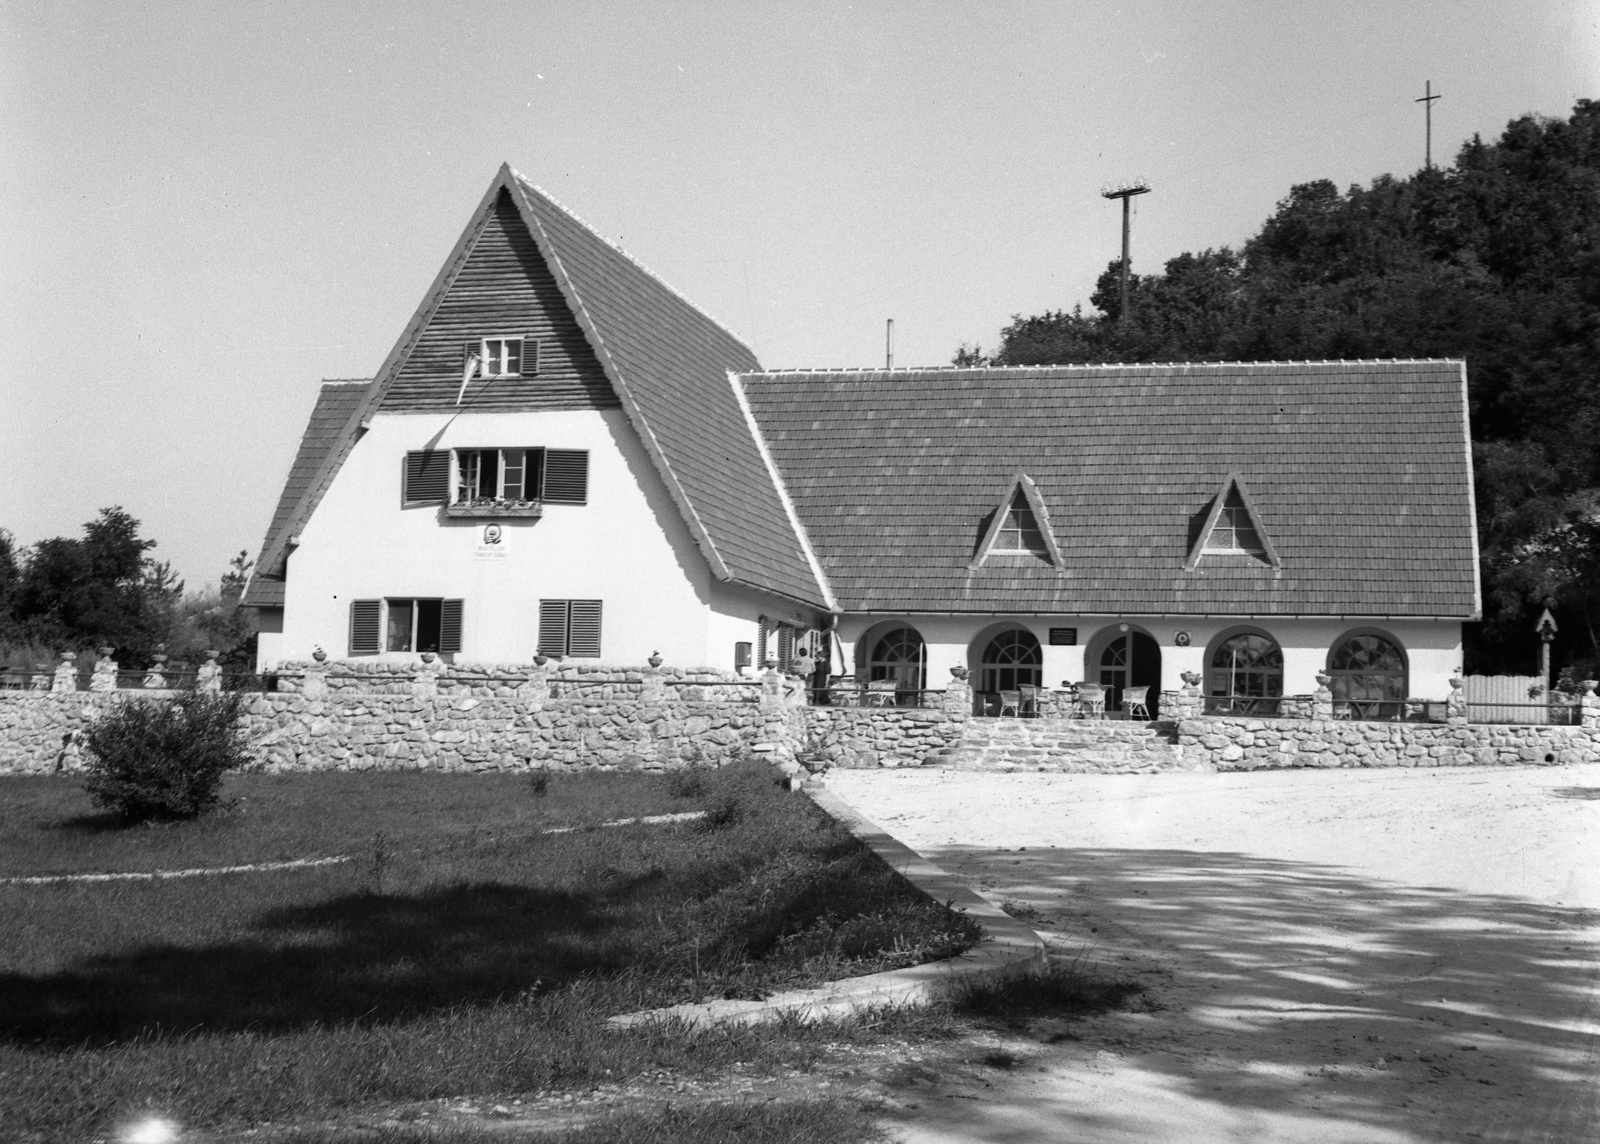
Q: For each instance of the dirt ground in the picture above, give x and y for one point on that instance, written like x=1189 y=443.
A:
x=1376 y=956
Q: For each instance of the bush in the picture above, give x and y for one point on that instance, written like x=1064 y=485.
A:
x=154 y=759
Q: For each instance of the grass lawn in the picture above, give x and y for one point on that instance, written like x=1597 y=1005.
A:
x=462 y=951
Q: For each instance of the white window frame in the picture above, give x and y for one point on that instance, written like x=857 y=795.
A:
x=493 y=361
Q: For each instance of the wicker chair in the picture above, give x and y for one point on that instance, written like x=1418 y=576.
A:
x=1133 y=702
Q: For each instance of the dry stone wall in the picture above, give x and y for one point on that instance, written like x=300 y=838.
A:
x=1252 y=744
x=399 y=717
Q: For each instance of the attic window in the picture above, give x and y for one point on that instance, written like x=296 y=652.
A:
x=1235 y=531
x=507 y=357
x=1232 y=528
x=1019 y=533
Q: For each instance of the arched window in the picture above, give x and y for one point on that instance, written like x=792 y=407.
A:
x=1369 y=675
x=899 y=654
x=1245 y=675
x=1012 y=658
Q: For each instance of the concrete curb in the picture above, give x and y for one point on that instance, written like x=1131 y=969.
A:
x=1008 y=946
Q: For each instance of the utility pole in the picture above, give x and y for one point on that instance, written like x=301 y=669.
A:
x=1427 y=102
x=1125 y=192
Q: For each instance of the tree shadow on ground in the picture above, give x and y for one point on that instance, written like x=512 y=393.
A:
x=1292 y=979
x=366 y=958
x=1583 y=793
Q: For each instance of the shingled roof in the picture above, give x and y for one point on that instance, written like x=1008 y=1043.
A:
x=335 y=403
x=1359 y=471
x=668 y=363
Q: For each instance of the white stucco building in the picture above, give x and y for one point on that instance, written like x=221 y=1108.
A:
x=562 y=455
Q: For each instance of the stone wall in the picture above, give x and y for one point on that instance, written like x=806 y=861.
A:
x=1250 y=744
x=361 y=731
x=547 y=716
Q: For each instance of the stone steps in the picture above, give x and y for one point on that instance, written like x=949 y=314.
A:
x=1065 y=746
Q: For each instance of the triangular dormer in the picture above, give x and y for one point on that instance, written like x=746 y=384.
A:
x=1020 y=526
x=1233 y=528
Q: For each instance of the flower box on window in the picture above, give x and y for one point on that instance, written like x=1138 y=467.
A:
x=495 y=508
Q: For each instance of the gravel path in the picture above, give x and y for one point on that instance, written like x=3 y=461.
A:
x=1343 y=956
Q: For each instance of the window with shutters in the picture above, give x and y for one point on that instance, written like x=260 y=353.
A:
x=505 y=356
x=427 y=478
x=507 y=478
x=569 y=628
x=405 y=624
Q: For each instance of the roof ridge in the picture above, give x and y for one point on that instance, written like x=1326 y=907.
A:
x=1278 y=362
x=671 y=289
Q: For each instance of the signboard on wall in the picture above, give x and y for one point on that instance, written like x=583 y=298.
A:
x=1063 y=637
x=492 y=543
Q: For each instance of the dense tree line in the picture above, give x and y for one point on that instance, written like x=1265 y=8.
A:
x=1496 y=260
x=104 y=589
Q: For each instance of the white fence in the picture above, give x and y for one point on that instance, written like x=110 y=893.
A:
x=1515 y=699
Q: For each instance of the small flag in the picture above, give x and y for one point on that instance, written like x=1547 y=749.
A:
x=466 y=376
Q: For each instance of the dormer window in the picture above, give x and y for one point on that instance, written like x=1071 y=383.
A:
x=1019 y=533
x=1235 y=532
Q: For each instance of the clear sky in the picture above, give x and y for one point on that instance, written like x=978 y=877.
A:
x=205 y=208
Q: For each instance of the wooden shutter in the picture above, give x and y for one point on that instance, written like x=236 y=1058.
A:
x=785 y=646
x=530 y=355
x=364 y=626
x=761 y=642
x=566 y=476
x=552 y=627
x=449 y=626
x=427 y=478
x=470 y=350
x=583 y=634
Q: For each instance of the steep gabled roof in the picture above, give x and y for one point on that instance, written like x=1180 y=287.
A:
x=668 y=364
x=335 y=403
x=1360 y=472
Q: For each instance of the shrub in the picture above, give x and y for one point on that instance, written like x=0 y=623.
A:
x=152 y=759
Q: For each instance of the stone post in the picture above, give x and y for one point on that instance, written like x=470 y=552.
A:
x=1589 y=703
x=651 y=687
x=1188 y=703
x=1455 y=707
x=771 y=685
x=154 y=679
x=208 y=679
x=956 y=702
x=425 y=683
x=66 y=674
x=536 y=689
x=1322 y=698
x=314 y=684
x=41 y=677
x=105 y=672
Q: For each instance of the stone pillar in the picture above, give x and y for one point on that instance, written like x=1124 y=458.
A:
x=425 y=683
x=1455 y=707
x=66 y=675
x=536 y=688
x=652 y=689
x=209 y=678
x=105 y=672
x=314 y=684
x=154 y=679
x=1589 y=704
x=1322 y=698
x=771 y=685
x=956 y=702
x=1187 y=701
x=41 y=677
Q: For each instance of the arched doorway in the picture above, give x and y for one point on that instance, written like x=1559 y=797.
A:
x=1130 y=659
x=1369 y=674
x=898 y=653
x=1244 y=674
x=1010 y=658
